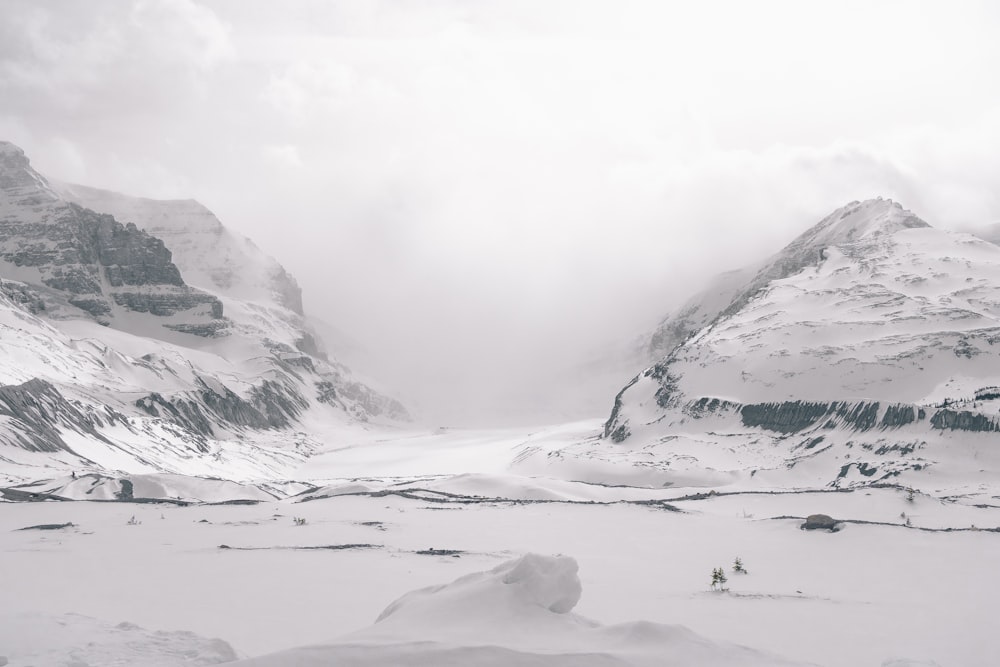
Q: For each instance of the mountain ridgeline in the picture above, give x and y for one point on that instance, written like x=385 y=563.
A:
x=87 y=260
x=145 y=335
x=869 y=338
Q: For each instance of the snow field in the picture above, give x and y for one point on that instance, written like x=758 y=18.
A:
x=864 y=595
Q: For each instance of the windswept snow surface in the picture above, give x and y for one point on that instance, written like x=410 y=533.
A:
x=517 y=615
x=903 y=579
x=72 y=640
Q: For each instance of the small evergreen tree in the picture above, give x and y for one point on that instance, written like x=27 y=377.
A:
x=738 y=566
x=719 y=579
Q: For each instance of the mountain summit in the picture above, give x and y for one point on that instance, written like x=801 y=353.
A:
x=80 y=260
x=112 y=361
x=864 y=350
x=728 y=292
x=18 y=181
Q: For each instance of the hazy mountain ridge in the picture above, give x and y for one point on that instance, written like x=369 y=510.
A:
x=208 y=254
x=111 y=361
x=81 y=260
x=729 y=291
x=856 y=354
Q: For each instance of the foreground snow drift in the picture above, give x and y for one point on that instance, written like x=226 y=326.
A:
x=905 y=578
x=518 y=613
x=40 y=640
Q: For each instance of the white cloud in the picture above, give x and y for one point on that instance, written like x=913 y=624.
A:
x=180 y=29
x=286 y=156
x=489 y=189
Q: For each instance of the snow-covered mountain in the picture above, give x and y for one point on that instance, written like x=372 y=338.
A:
x=209 y=255
x=111 y=360
x=730 y=291
x=864 y=350
x=82 y=263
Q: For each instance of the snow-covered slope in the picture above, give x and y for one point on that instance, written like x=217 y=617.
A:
x=110 y=361
x=517 y=614
x=864 y=350
x=729 y=291
x=989 y=233
x=72 y=639
x=262 y=300
x=696 y=312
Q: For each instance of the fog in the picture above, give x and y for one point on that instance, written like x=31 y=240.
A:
x=495 y=200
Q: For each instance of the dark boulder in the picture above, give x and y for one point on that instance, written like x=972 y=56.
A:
x=820 y=522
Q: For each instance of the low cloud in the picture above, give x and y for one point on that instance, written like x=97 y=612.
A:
x=488 y=195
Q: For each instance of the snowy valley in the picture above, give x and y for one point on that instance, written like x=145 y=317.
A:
x=188 y=477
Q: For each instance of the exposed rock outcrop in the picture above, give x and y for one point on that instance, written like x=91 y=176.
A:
x=820 y=522
x=964 y=420
x=208 y=254
x=96 y=262
x=270 y=405
x=35 y=412
x=22 y=295
x=360 y=400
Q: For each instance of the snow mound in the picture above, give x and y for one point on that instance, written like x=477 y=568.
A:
x=41 y=640
x=546 y=582
x=518 y=614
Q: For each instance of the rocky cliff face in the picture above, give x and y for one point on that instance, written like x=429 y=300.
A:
x=89 y=260
x=209 y=255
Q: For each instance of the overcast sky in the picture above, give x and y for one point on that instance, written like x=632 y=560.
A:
x=484 y=192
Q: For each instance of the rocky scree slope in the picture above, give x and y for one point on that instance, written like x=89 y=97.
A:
x=867 y=348
x=109 y=360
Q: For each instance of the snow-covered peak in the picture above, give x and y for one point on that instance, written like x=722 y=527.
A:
x=14 y=164
x=872 y=329
x=851 y=223
x=8 y=149
x=856 y=221
x=729 y=292
x=19 y=182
